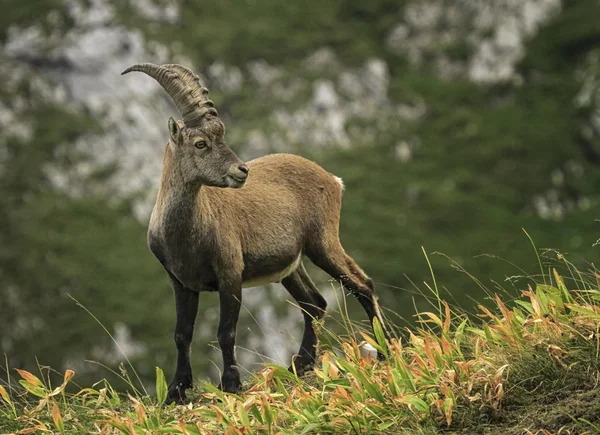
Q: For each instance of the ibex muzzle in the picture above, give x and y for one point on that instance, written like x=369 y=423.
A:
x=211 y=239
x=238 y=174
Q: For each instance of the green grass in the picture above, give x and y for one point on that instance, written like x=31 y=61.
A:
x=528 y=366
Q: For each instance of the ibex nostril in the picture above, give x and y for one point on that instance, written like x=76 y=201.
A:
x=243 y=168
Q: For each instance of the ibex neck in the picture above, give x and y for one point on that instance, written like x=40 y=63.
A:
x=172 y=179
x=174 y=187
x=178 y=201
x=179 y=227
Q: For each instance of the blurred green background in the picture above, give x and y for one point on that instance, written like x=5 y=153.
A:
x=454 y=125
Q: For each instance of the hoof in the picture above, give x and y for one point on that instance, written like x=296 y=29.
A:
x=230 y=382
x=176 y=396
x=176 y=393
x=301 y=365
x=230 y=388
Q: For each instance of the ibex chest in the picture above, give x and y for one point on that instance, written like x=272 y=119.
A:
x=183 y=253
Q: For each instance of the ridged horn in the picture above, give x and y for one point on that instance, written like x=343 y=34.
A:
x=184 y=88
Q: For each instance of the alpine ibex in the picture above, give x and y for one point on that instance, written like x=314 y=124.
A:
x=212 y=239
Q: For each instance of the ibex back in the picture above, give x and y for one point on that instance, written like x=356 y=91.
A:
x=221 y=225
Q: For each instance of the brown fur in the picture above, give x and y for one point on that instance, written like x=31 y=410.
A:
x=286 y=203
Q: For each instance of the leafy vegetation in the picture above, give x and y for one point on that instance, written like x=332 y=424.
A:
x=50 y=14
x=528 y=366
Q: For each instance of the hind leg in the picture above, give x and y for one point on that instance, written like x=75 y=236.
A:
x=343 y=268
x=313 y=305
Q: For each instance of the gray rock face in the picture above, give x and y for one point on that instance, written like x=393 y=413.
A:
x=479 y=40
x=81 y=70
x=225 y=78
x=324 y=120
x=167 y=12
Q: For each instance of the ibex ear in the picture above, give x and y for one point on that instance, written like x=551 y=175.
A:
x=174 y=131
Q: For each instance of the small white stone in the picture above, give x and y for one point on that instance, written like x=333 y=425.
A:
x=168 y=12
x=226 y=78
x=403 y=152
x=324 y=59
x=324 y=95
x=263 y=73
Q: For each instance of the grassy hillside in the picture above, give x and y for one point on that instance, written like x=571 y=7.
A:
x=530 y=365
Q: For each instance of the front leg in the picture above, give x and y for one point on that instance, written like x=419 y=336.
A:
x=230 y=301
x=186 y=302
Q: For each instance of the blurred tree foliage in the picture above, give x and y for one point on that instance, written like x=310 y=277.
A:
x=485 y=153
x=235 y=31
x=45 y=13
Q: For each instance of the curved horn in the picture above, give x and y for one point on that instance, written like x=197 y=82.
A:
x=184 y=88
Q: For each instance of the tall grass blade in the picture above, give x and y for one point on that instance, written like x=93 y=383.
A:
x=435 y=286
x=536 y=254
x=79 y=304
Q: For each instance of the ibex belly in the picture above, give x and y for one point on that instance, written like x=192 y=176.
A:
x=276 y=276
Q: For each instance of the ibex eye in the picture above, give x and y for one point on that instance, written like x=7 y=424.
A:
x=200 y=144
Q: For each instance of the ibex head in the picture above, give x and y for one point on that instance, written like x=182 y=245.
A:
x=198 y=143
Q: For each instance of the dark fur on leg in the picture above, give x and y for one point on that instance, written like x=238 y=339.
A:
x=186 y=302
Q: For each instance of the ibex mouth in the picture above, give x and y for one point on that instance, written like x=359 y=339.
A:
x=237 y=175
x=235 y=182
